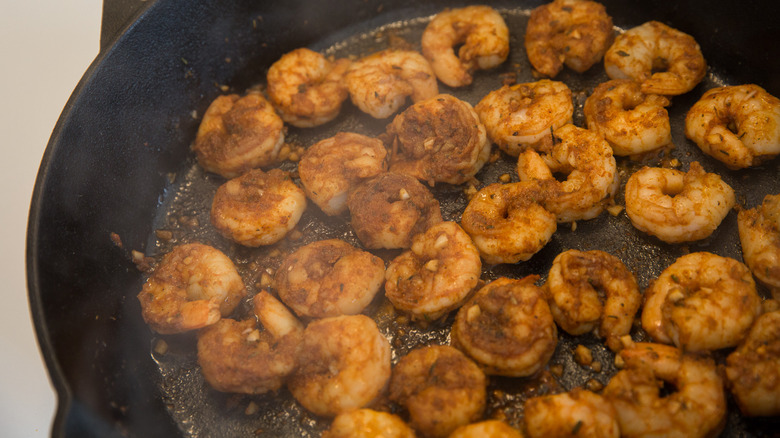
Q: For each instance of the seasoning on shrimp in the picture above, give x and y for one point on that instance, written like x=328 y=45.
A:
x=579 y=412
x=486 y=428
x=368 y=423
x=759 y=235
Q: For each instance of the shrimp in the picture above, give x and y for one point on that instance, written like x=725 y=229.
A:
x=481 y=34
x=344 y=365
x=439 y=140
x=593 y=290
x=696 y=409
x=486 y=429
x=380 y=83
x=577 y=413
x=332 y=167
x=508 y=223
x=737 y=125
x=664 y=60
x=631 y=121
x=368 y=423
x=677 y=206
x=436 y=274
x=258 y=208
x=521 y=116
x=236 y=356
x=753 y=369
x=592 y=178
x=237 y=134
x=701 y=302
x=573 y=32
x=307 y=88
x=507 y=328
x=193 y=286
x=759 y=234
x=329 y=278
x=390 y=209
x=440 y=388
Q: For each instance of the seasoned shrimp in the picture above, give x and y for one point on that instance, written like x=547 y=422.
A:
x=574 y=32
x=508 y=222
x=486 y=429
x=332 y=167
x=368 y=423
x=593 y=290
x=737 y=125
x=329 y=278
x=258 y=208
x=344 y=365
x=632 y=122
x=193 y=286
x=237 y=134
x=701 y=302
x=577 y=413
x=759 y=234
x=696 y=409
x=482 y=35
x=307 y=88
x=390 y=209
x=521 y=116
x=237 y=356
x=440 y=388
x=664 y=60
x=507 y=328
x=380 y=83
x=677 y=206
x=436 y=274
x=439 y=140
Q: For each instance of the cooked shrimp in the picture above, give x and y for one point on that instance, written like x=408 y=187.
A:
x=344 y=365
x=507 y=328
x=593 y=290
x=574 y=32
x=390 y=209
x=738 y=125
x=368 y=423
x=193 y=286
x=237 y=134
x=696 y=409
x=237 y=356
x=307 y=88
x=440 y=388
x=590 y=168
x=436 y=274
x=577 y=413
x=332 y=167
x=482 y=35
x=508 y=222
x=632 y=122
x=258 y=208
x=329 y=278
x=380 y=83
x=759 y=234
x=664 y=60
x=677 y=206
x=439 y=140
x=486 y=429
x=701 y=302
x=522 y=115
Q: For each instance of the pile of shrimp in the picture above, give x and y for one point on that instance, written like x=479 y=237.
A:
x=311 y=328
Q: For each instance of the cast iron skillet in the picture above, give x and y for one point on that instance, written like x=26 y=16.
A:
x=108 y=170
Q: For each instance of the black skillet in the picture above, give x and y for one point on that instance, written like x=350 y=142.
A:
x=118 y=166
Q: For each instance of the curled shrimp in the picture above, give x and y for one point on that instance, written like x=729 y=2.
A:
x=379 y=84
x=344 y=365
x=332 y=167
x=677 y=206
x=593 y=290
x=507 y=328
x=579 y=412
x=759 y=235
x=307 y=88
x=632 y=122
x=237 y=134
x=486 y=428
x=664 y=60
x=436 y=274
x=193 y=286
x=737 y=125
x=258 y=208
x=482 y=35
x=574 y=32
x=368 y=423
x=522 y=115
